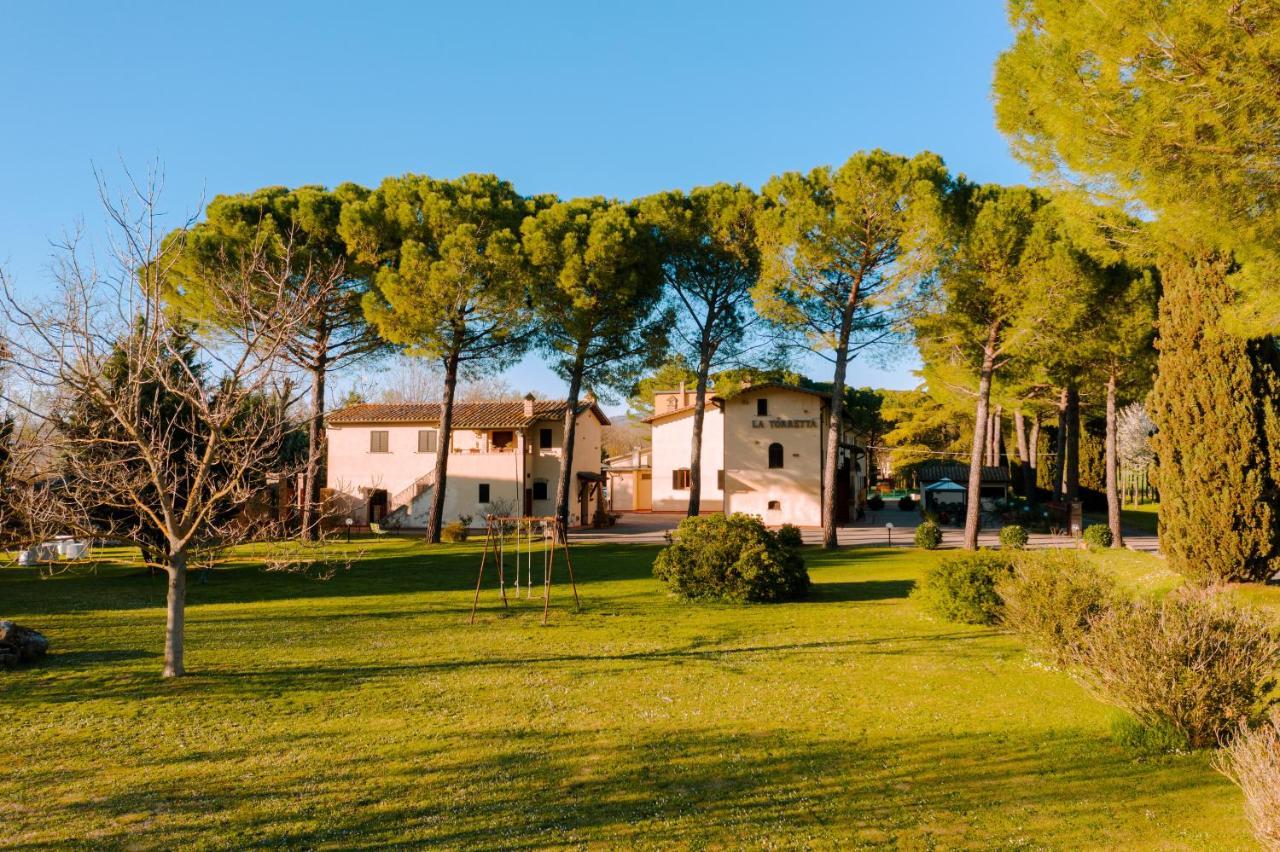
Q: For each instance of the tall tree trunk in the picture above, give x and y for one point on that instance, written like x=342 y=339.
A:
x=695 y=449
x=175 y=616
x=435 y=519
x=1020 y=441
x=1071 y=479
x=1113 y=466
x=1060 y=447
x=831 y=463
x=310 y=520
x=980 y=420
x=565 y=480
x=1033 y=454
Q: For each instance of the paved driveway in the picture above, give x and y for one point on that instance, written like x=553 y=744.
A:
x=651 y=527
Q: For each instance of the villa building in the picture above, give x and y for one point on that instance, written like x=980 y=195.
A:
x=763 y=453
x=505 y=458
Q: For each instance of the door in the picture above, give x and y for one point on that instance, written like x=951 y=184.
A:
x=528 y=501
x=644 y=491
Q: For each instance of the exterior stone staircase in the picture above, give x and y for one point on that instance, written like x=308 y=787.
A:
x=410 y=506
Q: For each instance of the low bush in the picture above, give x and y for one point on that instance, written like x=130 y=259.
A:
x=963 y=588
x=875 y=502
x=906 y=504
x=1196 y=661
x=1252 y=760
x=733 y=558
x=1013 y=537
x=788 y=535
x=1098 y=535
x=1050 y=598
x=928 y=535
x=454 y=532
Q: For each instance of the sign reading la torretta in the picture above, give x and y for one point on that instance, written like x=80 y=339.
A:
x=785 y=423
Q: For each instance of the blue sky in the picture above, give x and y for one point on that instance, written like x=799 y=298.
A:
x=571 y=98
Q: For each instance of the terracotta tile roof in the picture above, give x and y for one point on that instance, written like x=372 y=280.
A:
x=466 y=415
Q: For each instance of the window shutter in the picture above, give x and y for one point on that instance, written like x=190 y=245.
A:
x=427 y=440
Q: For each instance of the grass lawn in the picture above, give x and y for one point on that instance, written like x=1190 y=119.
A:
x=363 y=710
x=1143 y=517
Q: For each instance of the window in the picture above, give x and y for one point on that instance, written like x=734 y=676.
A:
x=775 y=455
x=775 y=504
x=680 y=479
x=544 y=439
x=484 y=492
x=426 y=440
x=503 y=440
x=762 y=407
x=379 y=441
x=540 y=489
x=720 y=479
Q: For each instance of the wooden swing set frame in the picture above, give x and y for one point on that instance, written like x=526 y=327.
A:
x=495 y=543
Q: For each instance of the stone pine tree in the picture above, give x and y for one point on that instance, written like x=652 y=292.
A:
x=1219 y=435
x=840 y=249
x=449 y=285
x=710 y=259
x=299 y=226
x=1092 y=335
x=1126 y=360
x=596 y=287
x=977 y=320
x=1173 y=106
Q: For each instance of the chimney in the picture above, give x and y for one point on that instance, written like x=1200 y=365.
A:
x=528 y=404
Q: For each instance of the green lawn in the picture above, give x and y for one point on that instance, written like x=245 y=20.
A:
x=364 y=711
x=1143 y=517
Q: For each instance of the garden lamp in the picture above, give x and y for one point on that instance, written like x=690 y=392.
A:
x=349 y=522
x=889 y=529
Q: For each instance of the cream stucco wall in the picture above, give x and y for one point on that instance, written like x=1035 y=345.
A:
x=353 y=469
x=672 y=440
x=750 y=483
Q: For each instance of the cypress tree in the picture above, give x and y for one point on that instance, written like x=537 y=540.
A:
x=1218 y=435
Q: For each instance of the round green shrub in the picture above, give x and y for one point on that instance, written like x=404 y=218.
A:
x=1013 y=537
x=906 y=504
x=1098 y=535
x=875 y=502
x=963 y=588
x=788 y=535
x=928 y=535
x=733 y=558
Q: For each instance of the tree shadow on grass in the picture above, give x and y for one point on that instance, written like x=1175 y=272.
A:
x=859 y=590
x=402 y=571
x=219 y=682
x=530 y=787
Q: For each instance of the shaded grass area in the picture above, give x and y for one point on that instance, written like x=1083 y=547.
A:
x=363 y=710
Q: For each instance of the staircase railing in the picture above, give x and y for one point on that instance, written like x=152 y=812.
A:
x=415 y=490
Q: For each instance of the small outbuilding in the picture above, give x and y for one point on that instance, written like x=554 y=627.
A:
x=994 y=486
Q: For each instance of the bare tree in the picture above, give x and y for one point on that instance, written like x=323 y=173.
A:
x=161 y=437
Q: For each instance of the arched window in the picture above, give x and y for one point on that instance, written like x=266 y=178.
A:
x=775 y=455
